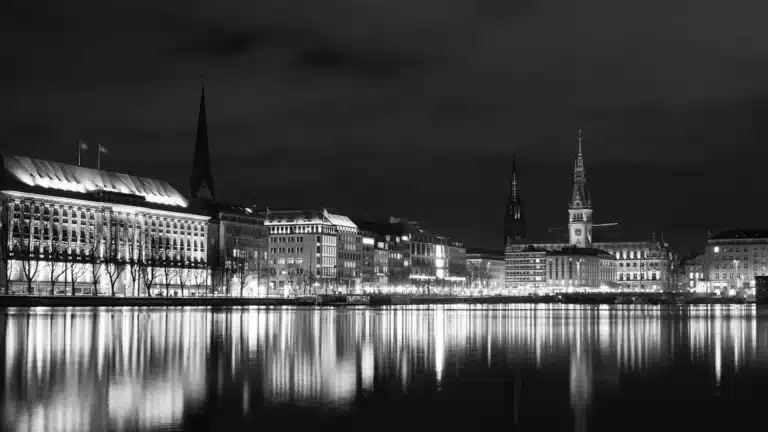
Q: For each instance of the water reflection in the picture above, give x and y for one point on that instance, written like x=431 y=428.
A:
x=128 y=369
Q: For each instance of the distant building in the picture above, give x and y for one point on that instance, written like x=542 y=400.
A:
x=692 y=276
x=485 y=269
x=368 y=274
x=580 y=267
x=418 y=259
x=733 y=258
x=525 y=268
x=72 y=230
x=642 y=265
x=313 y=251
x=238 y=250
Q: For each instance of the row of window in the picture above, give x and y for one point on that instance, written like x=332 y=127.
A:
x=301 y=229
x=744 y=265
x=287 y=261
x=290 y=250
x=637 y=276
x=731 y=257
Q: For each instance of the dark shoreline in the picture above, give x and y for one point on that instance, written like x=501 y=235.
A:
x=375 y=300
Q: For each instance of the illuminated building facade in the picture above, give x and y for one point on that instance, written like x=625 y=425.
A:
x=580 y=267
x=73 y=230
x=238 y=250
x=643 y=265
x=525 y=268
x=692 y=274
x=640 y=265
x=311 y=251
x=485 y=270
x=733 y=259
x=418 y=259
x=368 y=261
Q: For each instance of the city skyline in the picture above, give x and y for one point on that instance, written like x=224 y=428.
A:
x=363 y=116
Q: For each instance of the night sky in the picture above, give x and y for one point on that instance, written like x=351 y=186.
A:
x=411 y=107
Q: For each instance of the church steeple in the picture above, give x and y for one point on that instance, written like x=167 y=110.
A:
x=201 y=180
x=580 y=191
x=514 y=218
x=580 y=210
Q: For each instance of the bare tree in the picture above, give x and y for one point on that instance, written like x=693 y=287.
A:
x=200 y=277
x=29 y=266
x=245 y=270
x=136 y=256
x=114 y=264
x=267 y=273
x=56 y=267
x=228 y=273
x=5 y=244
x=169 y=273
x=184 y=274
x=75 y=268
x=29 y=251
x=308 y=279
x=149 y=272
x=96 y=265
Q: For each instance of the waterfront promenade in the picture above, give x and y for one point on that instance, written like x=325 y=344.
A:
x=373 y=300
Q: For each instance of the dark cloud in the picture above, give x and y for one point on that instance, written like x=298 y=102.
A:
x=411 y=107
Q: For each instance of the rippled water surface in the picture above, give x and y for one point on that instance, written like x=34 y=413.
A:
x=515 y=367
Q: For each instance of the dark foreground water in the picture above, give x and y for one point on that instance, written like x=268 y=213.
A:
x=436 y=368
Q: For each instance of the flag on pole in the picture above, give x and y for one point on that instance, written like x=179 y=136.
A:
x=102 y=149
x=81 y=145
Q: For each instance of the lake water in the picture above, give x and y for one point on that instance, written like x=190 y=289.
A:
x=521 y=367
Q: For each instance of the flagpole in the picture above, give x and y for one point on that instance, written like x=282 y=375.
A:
x=79 y=145
x=98 y=157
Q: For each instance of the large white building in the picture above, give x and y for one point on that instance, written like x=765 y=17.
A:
x=72 y=230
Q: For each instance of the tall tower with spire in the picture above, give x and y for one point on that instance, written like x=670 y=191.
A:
x=514 y=218
x=580 y=210
x=201 y=180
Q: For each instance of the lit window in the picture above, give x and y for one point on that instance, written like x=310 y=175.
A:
x=716 y=249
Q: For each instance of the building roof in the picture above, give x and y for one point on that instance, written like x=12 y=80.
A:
x=577 y=251
x=307 y=216
x=736 y=234
x=489 y=254
x=339 y=220
x=527 y=249
x=497 y=252
x=46 y=176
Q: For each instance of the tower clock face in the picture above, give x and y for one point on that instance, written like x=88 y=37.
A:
x=578 y=231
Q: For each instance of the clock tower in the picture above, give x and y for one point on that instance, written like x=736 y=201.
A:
x=580 y=210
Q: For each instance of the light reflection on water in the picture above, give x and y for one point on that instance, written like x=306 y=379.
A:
x=80 y=369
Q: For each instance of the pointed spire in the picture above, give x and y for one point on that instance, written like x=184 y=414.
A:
x=580 y=133
x=201 y=181
x=514 y=217
x=513 y=198
x=580 y=191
